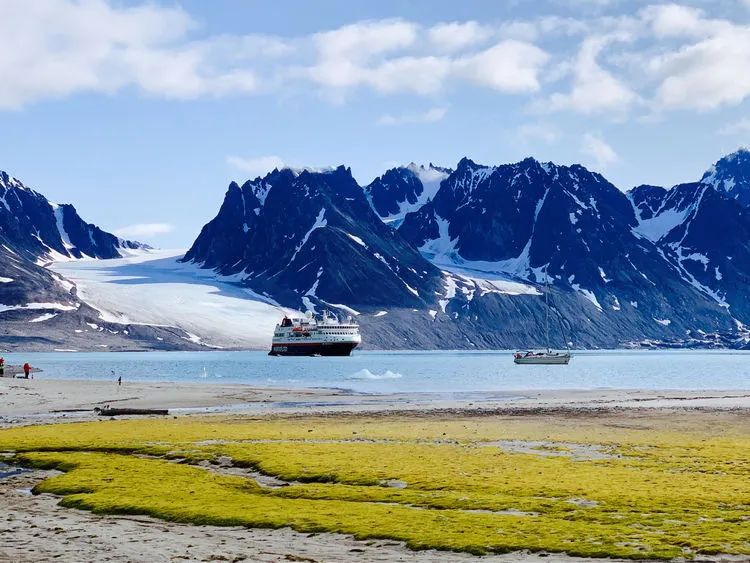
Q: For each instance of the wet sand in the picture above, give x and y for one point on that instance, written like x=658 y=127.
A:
x=49 y=400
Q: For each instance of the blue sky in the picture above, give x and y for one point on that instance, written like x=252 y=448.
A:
x=141 y=113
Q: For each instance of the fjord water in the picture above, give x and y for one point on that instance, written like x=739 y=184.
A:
x=381 y=372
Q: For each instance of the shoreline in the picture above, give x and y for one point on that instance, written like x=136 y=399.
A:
x=37 y=401
x=39 y=528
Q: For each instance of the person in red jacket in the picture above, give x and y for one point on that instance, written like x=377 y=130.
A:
x=26 y=370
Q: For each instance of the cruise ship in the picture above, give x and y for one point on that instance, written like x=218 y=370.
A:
x=310 y=337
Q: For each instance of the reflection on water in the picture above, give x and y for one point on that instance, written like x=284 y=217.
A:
x=11 y=470
x=377 y=372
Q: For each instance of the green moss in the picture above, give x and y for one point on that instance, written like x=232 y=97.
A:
x=666 y=494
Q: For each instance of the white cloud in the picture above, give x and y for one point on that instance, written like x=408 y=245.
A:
x=673 y=55
x=420 y=75
x=740 y=127
x=256 y=166
x=395 y=56
x=62 y=47
x=430 y=116
x=545 y=132
x=144 y=230
x=707 y=74
x=594 y=89
x=360 y=41
x=346 y=54
x=454 y=36
x=673 y=20
x=597 y=148
x=508 y=66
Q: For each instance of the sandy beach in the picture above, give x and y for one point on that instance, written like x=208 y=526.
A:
x=36 y=528
x=47 y=400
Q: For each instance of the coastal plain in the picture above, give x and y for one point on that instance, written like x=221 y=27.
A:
x=587 y=478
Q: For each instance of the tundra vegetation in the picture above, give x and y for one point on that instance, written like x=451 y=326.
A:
x=641 y=486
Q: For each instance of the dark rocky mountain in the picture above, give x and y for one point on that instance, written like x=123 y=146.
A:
x=404 y=189
x=40 y=230
x=731 y=175
x=705 y=233
x=531 y=219
x=39 y=309
x=310 y=239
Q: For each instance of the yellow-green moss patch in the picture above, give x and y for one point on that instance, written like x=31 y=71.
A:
x=670 y=488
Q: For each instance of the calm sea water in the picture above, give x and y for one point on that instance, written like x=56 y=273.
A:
x=380 y=372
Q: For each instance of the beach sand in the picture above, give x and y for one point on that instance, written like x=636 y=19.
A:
x=35 y=528
x=49 y=400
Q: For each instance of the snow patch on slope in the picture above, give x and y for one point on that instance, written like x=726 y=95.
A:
x=430 y=178
x=320 y=222
x=156 y=289
x=660 y=225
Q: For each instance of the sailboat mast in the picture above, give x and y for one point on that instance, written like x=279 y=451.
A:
x=546 y=308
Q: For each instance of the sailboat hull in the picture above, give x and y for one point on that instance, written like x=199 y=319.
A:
x=547 y=360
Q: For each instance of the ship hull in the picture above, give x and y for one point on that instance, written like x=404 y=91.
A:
x=560 y=360
x=312 y=349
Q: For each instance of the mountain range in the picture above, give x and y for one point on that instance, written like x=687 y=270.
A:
x=39 y=308
x=624 y=269
x=434 y=257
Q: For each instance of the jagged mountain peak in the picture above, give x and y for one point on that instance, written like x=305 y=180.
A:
x=404 y=189
x=731 y=174
x=41 y=230
x=8 y=181
x=427 y=173
x=313 y=240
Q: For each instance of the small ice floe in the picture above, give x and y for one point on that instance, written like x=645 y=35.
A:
x=367 y=374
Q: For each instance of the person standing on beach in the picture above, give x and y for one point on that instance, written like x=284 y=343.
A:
x=26 y=370
x=2 y=367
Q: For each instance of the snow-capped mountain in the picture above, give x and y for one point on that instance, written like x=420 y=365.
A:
x=41 y=230
x=310 y=239
x=529 y=219
x=42 y=310
x=704 y=232
x=731 y=175
x=404 y=189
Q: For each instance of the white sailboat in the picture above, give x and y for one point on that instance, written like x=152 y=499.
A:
x=548 y=356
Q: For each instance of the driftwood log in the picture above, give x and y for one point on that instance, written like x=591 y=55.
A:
x=107 y=411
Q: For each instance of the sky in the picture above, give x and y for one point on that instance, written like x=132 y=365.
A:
x=141 y=113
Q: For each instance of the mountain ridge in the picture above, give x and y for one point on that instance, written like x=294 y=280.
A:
x=41 y=310
x=493 y=234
